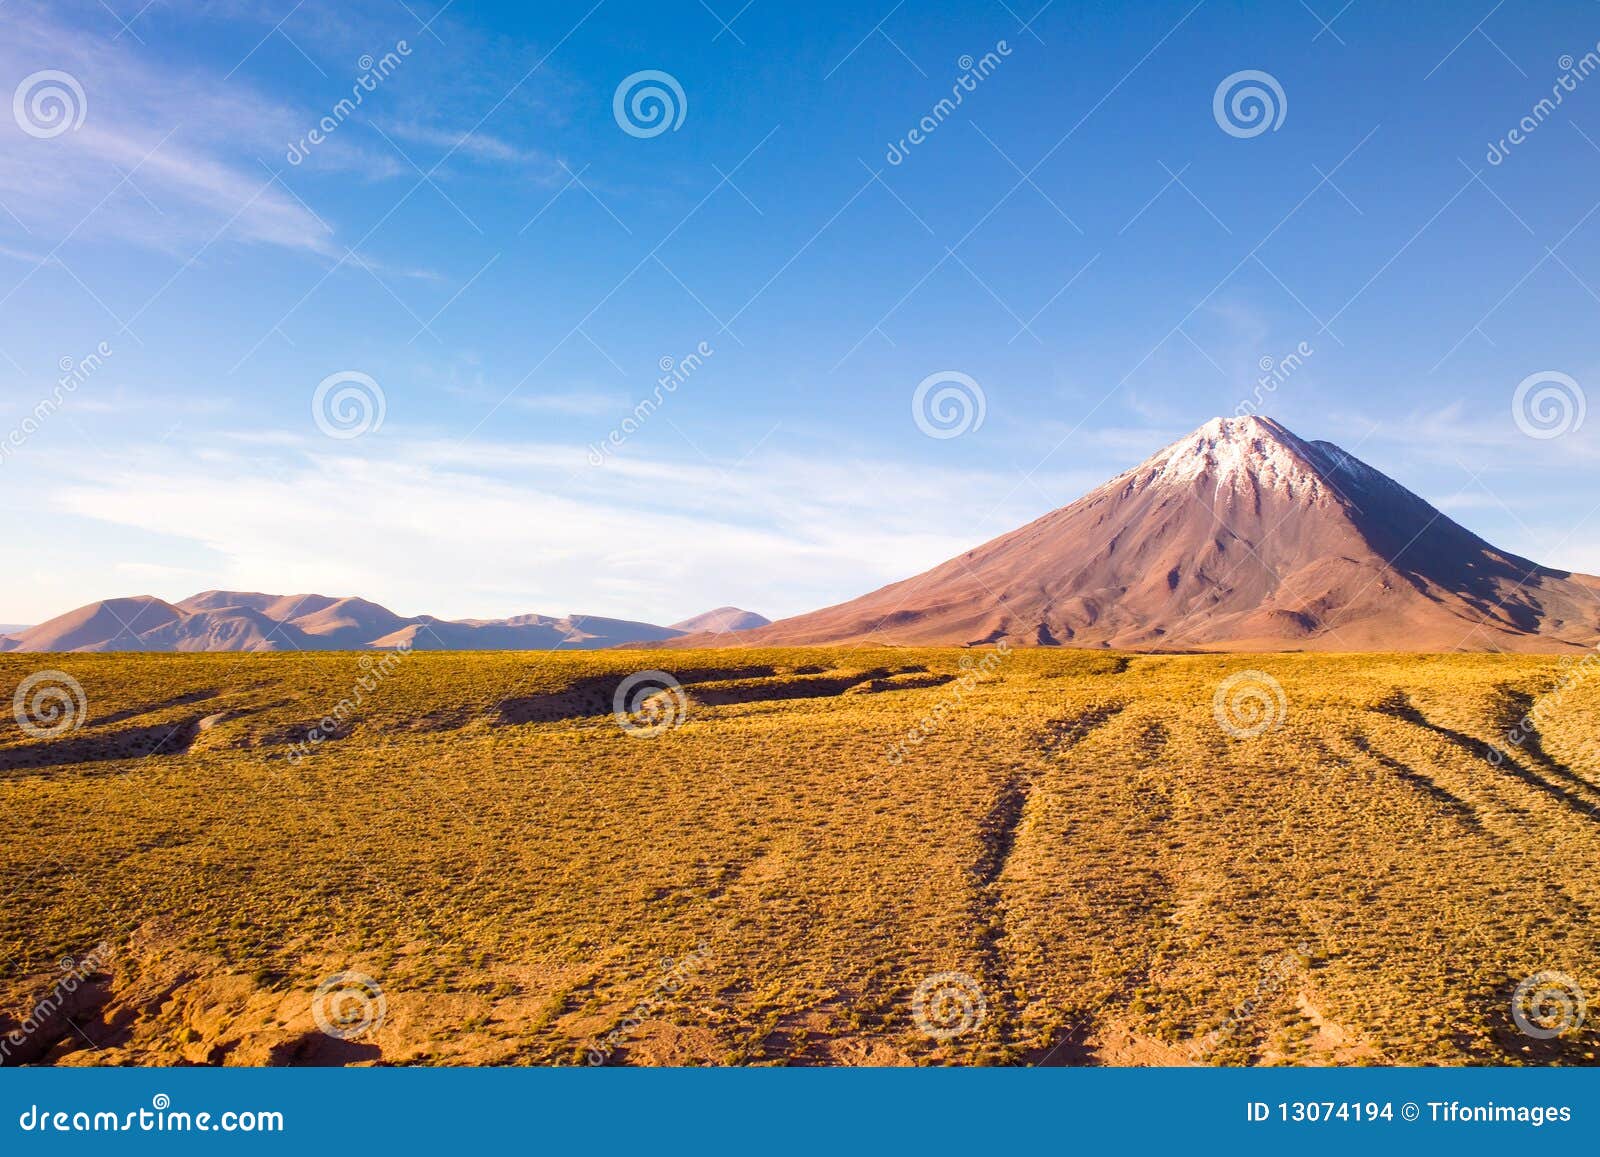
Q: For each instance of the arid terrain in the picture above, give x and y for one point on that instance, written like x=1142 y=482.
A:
x=868 y=856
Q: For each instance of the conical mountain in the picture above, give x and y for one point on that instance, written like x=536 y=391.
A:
x=1240 y=536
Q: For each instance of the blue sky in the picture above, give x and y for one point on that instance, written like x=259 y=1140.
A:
x=483 y=240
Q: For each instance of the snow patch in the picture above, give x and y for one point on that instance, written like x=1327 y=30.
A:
x=1239 y=455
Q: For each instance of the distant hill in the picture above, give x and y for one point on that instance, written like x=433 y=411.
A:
x=109 y=625
x=252 y=621
x=722 y=620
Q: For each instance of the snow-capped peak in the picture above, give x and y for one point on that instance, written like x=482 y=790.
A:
x=1238 y=454
x=1252 y=458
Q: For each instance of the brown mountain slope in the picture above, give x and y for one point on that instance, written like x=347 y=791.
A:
x=251 y=621
x=109 y=625
x=278 y=608
x=523 y=633
x=1240 y=536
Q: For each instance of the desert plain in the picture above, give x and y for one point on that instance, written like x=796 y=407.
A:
x=810 y=856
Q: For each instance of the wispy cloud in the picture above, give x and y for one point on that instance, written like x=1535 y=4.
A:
x=1477 y=438
x=476 y=144
x=166 y=157
x=580 y=403
x=24 y=256
x=427 y=525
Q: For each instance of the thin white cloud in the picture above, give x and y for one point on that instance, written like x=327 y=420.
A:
x=24 y=256
x=1469 y=500
x=165 y=157
x=581 y=403
x=1492 y=442
x=491 y=530
x=478 y=144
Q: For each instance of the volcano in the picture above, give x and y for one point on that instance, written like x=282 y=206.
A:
x=1241 y=536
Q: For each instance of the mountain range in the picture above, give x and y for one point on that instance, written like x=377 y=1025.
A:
x=249 y=621
x=1240 y=536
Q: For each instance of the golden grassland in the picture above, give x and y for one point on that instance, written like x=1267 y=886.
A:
x=1123 y=880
